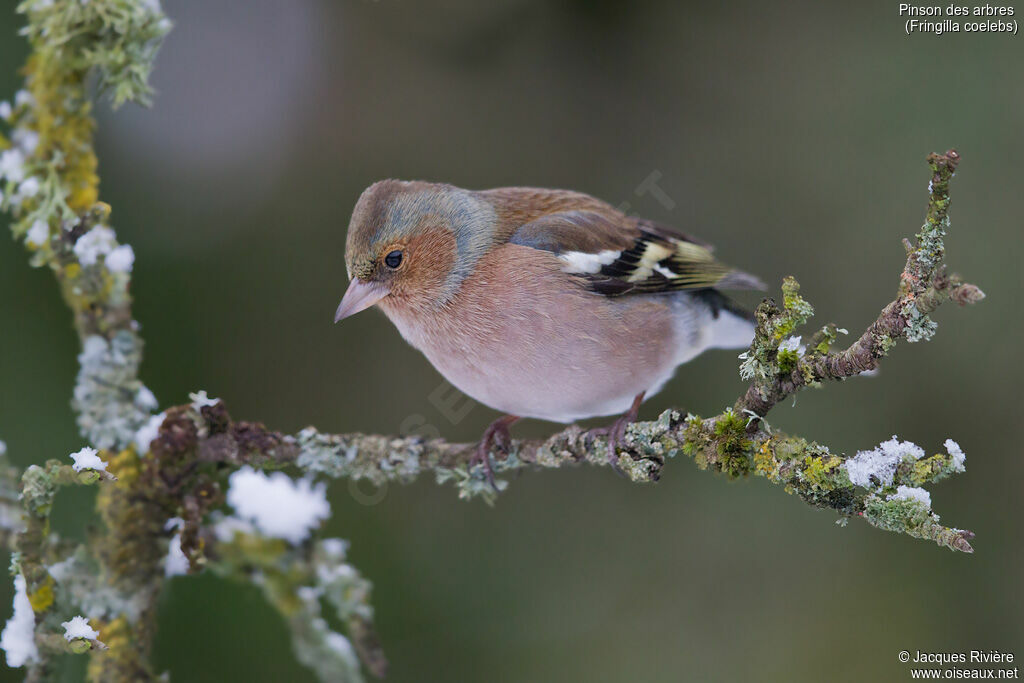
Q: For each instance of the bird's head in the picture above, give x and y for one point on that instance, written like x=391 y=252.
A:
x=412 y=243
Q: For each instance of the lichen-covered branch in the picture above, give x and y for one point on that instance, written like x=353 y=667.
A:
x=166 y=480
x=723 y=443
x=36 y=552
x=924 y=286
x=49 y=185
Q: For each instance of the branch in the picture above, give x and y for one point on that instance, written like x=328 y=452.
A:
x=924 y=286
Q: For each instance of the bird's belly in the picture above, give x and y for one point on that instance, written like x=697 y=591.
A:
x=563 y=394
x=561 y=362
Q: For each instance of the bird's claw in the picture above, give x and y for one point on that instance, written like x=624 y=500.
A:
x=482 y=457
x=496 y=434
x=615 y=433
x=616 y=440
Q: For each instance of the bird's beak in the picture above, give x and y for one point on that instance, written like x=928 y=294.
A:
x=360 y=295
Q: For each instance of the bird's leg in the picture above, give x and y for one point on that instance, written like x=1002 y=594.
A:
x=495 y=434
x=616 y=431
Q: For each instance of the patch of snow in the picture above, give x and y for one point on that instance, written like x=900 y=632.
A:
x=38 y=234
x=145 y=399
x=121 y=259
x=201 y=400
x=279 y=506
x=913 y=493
x=880 y=462
x=957 y=453
x=175 y=564
x=18 y=637
x=79 y=627
x=147 y=432
x=87 y=459
x=97 y=242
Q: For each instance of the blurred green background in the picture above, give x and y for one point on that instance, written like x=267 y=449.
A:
x=791 y=136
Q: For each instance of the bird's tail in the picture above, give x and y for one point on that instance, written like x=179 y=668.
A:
x=732 y=326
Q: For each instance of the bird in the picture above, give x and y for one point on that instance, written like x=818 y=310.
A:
x=539 y=303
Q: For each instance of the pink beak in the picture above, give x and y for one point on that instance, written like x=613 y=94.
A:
x=359 y=296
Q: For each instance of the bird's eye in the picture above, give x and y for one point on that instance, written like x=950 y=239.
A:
x=393 y=259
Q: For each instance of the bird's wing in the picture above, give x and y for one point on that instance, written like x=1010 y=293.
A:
x=616 y=255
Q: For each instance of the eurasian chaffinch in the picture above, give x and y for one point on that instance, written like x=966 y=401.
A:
x=539 y=303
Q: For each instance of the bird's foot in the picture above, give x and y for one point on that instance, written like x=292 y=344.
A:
x=496 y=434
x=616 y=432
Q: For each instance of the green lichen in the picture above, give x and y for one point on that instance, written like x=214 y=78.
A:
x=821 y=343
x=764 y=360
x=898 y=515
x=797 y=310
x=638 y=469
x=883 y=343
x=754 y=367
x=655 y=439
x=695 y=440
x=927 y=470
x=920 y=327
x=787 y=361
x=818 y=470
x=471 y=482
x=379 y=460
x=732 y=444
x=117 y=39
x=38 y=488
x=930 y=244
x=39 y=552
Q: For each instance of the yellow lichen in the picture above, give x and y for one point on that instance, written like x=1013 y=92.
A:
x=925 y=469
x=62 y=118
x=42 y=597
x=765 y=463
x=117 y=636
x=816 y=469
x=125 y=466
